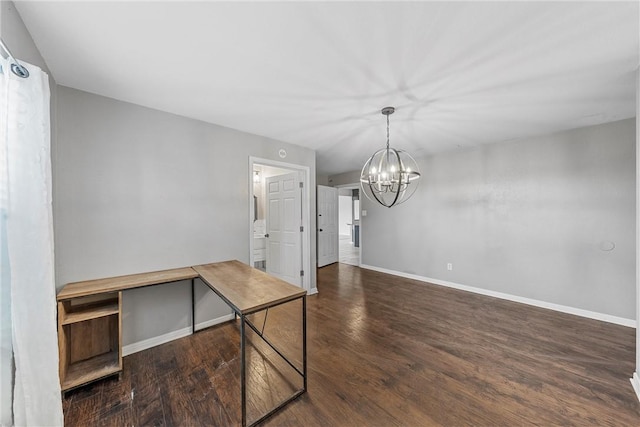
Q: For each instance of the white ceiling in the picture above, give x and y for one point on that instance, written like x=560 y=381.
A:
x=317 y=74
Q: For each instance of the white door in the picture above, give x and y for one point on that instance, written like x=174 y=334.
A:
x=284 y=221
x=327 y=225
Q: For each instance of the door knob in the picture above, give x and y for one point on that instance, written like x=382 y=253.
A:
x=266 y=235
x=321 y=229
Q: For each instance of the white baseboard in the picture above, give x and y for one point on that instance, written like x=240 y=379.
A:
x=635 y=382
x=313 y=291
x=542 y=304
x=165 y=338
x=215 y=321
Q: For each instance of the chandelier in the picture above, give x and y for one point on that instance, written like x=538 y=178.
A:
x=390 y=176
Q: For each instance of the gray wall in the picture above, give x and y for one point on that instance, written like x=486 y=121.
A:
x=17 y=38
x=142 y=190
x=322 y=180
x=346 y=178
x=532 y=218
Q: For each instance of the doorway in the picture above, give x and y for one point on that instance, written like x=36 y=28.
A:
x=279 y=220
x=349 y=225
x=327 y=222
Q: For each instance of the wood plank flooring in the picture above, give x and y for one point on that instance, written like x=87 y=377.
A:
x=383 y=351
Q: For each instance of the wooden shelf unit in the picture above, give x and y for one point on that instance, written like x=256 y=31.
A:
x=90 y=323
x=91 y=311
x=89 y=338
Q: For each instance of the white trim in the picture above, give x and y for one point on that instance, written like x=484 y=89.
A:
x=635 y=383
x=306 y=212
x=213 y=322
x=313 y=291
x=154 y=341
x=529 y=301
x=165 y=338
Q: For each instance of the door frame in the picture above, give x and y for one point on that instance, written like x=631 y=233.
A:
x=354 y=186
x=306 y=210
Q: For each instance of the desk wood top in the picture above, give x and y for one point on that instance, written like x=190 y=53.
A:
x=120 y=283
x=245 y=288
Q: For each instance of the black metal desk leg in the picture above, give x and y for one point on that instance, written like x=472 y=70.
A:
x=304 y=340
x=243 y=379
x=193 y=306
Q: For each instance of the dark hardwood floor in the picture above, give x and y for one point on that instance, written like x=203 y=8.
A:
x=384 y=351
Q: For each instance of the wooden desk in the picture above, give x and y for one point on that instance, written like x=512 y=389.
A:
x=93 y=310
x=248 y=290
x=121 y=283
x=90 y=323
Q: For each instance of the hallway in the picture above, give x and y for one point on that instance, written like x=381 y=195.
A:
x=348 y=254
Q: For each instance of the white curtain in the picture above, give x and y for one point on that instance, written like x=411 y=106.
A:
x=26 y=242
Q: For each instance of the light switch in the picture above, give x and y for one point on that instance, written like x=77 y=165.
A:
x=364 y=212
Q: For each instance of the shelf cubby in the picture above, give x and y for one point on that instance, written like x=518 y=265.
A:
x=89 y=331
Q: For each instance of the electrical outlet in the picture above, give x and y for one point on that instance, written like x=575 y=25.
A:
x=364 y=212
x=449 y=266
